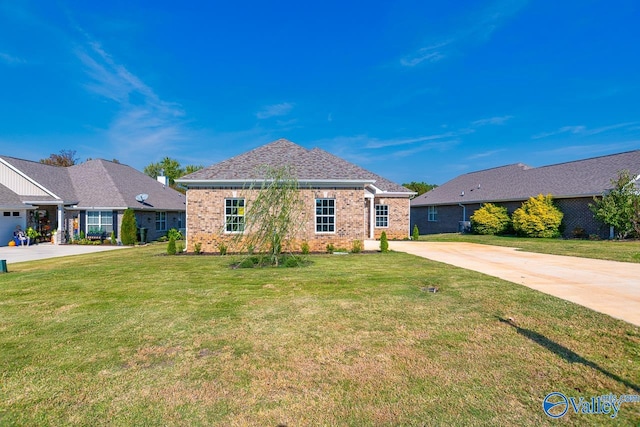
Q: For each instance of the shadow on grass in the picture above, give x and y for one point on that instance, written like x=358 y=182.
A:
x=567 y=354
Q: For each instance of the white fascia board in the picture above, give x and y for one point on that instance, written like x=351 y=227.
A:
x=37 y=184
x=315 y=183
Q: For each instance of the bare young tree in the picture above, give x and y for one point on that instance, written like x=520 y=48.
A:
x=275 y=216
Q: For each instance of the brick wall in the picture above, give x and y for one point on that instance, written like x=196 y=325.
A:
x=398 y=224
x=206 y=220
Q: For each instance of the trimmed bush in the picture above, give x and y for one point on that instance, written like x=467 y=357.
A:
x=304 y=248
x=538 y=217
x=490 y=219
x=356 y=247
x=129 y=228
x=415 y=235
x=384 y=243
x=171 y=247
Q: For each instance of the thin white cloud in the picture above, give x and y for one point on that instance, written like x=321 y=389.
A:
x=439 y=146
x=583 y=151
x=433 y=53
x=584 y=131
x=275 y=110
x=144 y=123
x=473 y=29
x=492 y=121
x=10 y=59
x=484 y=154
x=384 y=143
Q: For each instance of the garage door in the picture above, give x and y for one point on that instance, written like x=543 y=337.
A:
x=8 y=222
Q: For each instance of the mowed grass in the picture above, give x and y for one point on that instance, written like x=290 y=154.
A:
x=132 y=337
x=612 y=250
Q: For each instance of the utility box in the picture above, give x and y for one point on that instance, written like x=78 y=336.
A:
x=3 y=266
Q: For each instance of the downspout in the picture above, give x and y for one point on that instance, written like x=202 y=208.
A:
x=464 y=211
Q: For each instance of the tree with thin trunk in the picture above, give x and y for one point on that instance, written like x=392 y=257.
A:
x=275 y=216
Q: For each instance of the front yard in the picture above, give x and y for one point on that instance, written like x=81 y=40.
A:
x=133 y=337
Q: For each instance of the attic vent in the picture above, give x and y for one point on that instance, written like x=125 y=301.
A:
x=461 y=193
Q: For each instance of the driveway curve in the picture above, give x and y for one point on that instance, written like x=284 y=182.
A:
x=609 y=287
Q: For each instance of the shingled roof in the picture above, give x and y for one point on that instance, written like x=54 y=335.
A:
x=582 y=178
x=96 y=184
x=313 y=165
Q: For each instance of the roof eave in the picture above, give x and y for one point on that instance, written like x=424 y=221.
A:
x=323 y=183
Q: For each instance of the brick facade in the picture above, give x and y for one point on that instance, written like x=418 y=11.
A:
x=206 y=219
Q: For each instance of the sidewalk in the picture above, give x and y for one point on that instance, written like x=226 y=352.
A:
x=13 y=254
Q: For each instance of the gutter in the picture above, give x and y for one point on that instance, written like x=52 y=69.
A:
x=464 y=211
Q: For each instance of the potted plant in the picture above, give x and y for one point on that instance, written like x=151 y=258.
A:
x=32 y=234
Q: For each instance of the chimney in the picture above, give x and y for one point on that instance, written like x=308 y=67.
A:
x=163 y=179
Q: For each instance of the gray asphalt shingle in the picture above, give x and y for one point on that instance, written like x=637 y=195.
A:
x=307 y=165
x=585 y=178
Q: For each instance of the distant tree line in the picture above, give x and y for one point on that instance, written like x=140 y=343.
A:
x=419 y=187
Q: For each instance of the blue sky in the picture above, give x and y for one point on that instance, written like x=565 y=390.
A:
x=412 y=90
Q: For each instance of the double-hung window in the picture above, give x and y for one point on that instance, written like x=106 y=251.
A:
x=234 y=215
x=382 y=216
x=99 y=222
x=325 y=215
x=432 y=213
x=161 y=221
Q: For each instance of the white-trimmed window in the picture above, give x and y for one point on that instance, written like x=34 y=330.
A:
x=432 y=213
x=234 y=215
x=161 y=221
x=99 y=222
x=382 y=216
x=325 y=215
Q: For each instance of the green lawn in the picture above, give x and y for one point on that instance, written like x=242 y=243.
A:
x=133 y=337
x=614 y=250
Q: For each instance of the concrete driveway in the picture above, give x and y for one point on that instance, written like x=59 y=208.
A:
x=609 y=287
x=13 y=254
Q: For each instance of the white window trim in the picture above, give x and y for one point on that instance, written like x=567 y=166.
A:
x=376 y=216
x=226 y=216
x=315 y=216
x=432 y=214
x=161 y=221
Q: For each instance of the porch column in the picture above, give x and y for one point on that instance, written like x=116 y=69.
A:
x=59 y=238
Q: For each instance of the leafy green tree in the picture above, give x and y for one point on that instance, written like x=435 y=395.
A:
x=66 y=158
x=419 y=187
x=129 y=228
x=490 y=219
x=171 y=169
x=619 y=207
x=538 y=217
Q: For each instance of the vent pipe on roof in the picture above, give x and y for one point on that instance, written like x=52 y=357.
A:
x=164 y=180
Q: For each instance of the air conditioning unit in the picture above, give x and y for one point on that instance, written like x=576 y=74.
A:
x=464 y=226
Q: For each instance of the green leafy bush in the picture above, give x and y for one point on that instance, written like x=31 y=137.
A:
x=356 y=246
x=304 y=248
x=490 y=219
x=538 y=217
x=112 y=238
x=415 y=235
x=384 y=243
x=330 y=248
x=129 y=228
x=175 y=234
x=197 y=248
x=171 y=247
x=222 y=248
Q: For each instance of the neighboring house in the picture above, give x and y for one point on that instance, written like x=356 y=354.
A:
x=342 y=201
x=88 y=197
x=573 y=185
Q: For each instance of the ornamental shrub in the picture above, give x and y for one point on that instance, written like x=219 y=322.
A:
x=171 y=247
x=384 y=243
x=490 y=219
x=538 y=217
x=129 y=228
x=415 y=235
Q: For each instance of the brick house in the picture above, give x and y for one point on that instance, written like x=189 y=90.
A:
x=573 y=185
x=341 y=201
x=87 y=197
